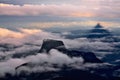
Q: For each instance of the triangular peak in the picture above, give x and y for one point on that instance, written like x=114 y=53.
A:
x=98 y=26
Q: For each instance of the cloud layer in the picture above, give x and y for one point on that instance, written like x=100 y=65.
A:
x=45 y=25
x=15 y=50
x=98 y=9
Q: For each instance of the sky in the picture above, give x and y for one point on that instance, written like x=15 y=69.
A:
x=59 y=13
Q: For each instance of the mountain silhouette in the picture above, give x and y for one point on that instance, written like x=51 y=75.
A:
x=59 y=45
x=49 y=44
x=98 y=26
x=99 y=32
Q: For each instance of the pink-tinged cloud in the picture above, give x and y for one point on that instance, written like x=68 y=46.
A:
x=9 y=33
x=43 y=25
x=13 y=34
x=16 y=37
x=23 y=36
x=59 y=10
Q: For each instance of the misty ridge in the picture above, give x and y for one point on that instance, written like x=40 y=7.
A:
x=20 y=52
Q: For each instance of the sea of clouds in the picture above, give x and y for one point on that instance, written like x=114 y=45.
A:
x=29 y=41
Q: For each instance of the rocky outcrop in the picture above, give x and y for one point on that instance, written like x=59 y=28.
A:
x=89 y=57
x=59 y=45
x=49 y=44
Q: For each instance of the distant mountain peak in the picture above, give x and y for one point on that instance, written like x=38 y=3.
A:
x=98 y=26
x=101 y=33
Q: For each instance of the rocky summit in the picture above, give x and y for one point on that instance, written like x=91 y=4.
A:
x=59 y=45
x=49 y=44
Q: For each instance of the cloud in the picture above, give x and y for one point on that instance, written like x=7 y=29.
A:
x=43 y=62
x=9 y=66
x=60 y=10
x=32 y=39
x=22 y=35
x=11 y=44
x=8 y=36
x=8 y=33
x=14 y=34
x=88 y=2
x=45 y=25
x=36 y=61
x=83 y=44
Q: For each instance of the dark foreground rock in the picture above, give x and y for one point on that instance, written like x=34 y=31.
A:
x=59 y=45
x=49 y=44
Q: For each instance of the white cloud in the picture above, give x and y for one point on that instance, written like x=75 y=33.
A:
x=9 y=66
x=37 y=62
x=98 y=9
x=23 y=36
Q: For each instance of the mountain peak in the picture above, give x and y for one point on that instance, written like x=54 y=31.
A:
x=49 y=44
x=98 y=26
